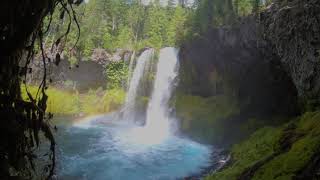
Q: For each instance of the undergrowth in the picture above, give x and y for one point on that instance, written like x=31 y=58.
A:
x=63 y=102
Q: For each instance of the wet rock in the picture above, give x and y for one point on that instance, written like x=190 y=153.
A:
x=83 y=76
x=235 y=62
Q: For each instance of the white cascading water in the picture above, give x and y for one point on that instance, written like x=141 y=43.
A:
x=128 y=107
x=130 y=68
x=157 y=122
x=147 y=152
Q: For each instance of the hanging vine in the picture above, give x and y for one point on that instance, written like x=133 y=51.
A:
x=23 y=25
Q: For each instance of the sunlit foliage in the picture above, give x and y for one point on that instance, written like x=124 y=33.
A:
x=62 y=102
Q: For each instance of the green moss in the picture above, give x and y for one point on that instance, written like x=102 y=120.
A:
x=97 y=103
x=196 y=107
x=265 y=142
x=309 y=122
x=287 y=164
x=204 y=117
x=246 y=154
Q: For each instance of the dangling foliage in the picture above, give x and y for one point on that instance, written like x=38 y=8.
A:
x=23 y=24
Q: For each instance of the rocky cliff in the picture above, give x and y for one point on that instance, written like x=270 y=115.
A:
x=82 y=76
x=268 y=66
x=292 y=30
x=231 y=61
x=246 y=79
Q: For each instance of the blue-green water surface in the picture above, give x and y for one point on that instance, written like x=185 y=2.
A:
x=103 y=150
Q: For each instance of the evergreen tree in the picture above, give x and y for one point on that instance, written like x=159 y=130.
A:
x=176 y=29
x=155 y=27
x=113 y=24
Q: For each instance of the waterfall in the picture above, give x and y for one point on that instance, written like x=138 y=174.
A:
x=157 y=113
x=130 y=69
x=128 y=108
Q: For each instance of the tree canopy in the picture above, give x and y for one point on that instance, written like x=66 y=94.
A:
x=132 y=25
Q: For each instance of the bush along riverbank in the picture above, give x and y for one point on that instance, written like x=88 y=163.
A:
x=62 y=102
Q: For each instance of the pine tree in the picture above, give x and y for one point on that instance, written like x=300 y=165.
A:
x=176 y=28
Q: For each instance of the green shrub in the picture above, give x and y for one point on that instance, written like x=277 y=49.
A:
x=117 y=74
x=90 y=103
x=111 y=100
x=59 y=102
x=63 y=102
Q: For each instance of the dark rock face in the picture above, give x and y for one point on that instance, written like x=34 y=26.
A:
x=270 y=64
x=293 y=32
x=83 y=76
x=260 y=60
x=231 y=61
x=86 y=75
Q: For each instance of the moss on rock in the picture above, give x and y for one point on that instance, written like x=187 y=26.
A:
x=204 y=118
x=285 y=163
x=259 y=145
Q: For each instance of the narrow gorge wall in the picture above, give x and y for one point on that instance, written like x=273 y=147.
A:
x=251 y=74
x=292 y=30
x=246 y=80
x=231 y=61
